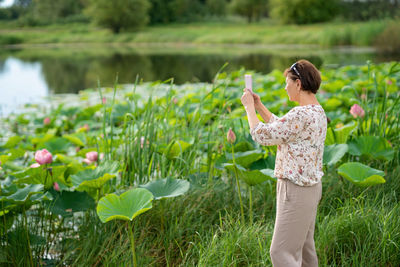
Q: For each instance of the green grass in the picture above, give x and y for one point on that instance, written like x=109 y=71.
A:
x=324 y=34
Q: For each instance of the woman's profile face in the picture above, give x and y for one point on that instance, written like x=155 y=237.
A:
x=290 y=88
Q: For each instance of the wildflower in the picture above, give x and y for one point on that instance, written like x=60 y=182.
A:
x=104 y=100
x=46 y=121
x=43 y=157
x=231 y=137
x=357 y=111
x=56 y=186
x=389 y=82
x=174 y=100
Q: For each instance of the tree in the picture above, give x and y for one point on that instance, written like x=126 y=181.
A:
x=252 y=9
x=303 y=11
x=119 y=14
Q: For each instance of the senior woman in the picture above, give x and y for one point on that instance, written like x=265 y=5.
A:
x=300 y=136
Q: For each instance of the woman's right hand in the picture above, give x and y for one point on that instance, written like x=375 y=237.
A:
x=257 y=101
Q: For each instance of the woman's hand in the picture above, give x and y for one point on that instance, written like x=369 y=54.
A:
x=247 y=99
x=257 y=101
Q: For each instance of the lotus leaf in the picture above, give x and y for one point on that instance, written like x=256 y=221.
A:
x=245 y=159
x=252 y=177
x=168 y=187
x=126 y=206
x=95 y=178
x=65 y=203
x=375 y=147
x=361 y=174
x=333 y=153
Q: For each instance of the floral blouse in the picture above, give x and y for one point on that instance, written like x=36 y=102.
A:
x=300 y=136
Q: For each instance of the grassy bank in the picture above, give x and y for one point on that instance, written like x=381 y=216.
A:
x=326 y=34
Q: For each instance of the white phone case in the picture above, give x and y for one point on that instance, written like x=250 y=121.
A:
x=248 y=82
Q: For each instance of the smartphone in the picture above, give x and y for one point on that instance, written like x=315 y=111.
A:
x=248 y=82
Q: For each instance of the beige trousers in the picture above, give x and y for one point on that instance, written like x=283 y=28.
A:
x=293 y=240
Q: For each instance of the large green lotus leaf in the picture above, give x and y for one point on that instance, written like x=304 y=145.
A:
x=66 y=203
x=361 y=174
x=334 y=153
x=23 y=194
x=7 y=186
x=168 y=187
x=57 y=145
x=340 y=135
x=13 y=141
x=267 y=163
x=252 y=177
x=375 y=147
x=95 y=178
x=66 y=159
x=39 y=141
x=76 y=139
x=245 y=159
x=126 y=206
x=243 y=146
x=41 y=175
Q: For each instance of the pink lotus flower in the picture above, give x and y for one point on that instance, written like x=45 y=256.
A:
x=91 y=157
x=46 y=121
x=357 y=111
x=34 y=165
x=389 y=82
x=231 y=137
x=43 y=157
x=56 y=186
x=104 y=100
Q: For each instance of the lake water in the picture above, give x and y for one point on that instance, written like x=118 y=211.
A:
x=30 y=74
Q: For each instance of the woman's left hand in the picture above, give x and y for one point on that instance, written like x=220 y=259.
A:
x=247 y=98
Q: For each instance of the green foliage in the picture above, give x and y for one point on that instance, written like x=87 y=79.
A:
x=166 y=188
x=217 y=7
x=251 y=9
x=303 y=12
x=389 y=39
x=361 y=174
x=126 y=206
x=120 y=14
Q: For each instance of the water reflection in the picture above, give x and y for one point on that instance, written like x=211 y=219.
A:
x=69 y=70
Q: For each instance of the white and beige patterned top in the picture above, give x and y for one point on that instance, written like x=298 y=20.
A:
x=300 y=136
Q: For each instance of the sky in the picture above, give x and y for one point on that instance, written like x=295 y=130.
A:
x=6 y=3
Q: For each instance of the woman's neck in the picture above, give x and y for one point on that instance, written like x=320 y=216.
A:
x=306 y=98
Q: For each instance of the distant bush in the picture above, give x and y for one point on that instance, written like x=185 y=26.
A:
x=303 y=12
x=10 y=39
x=389 y=39
x=119 y=14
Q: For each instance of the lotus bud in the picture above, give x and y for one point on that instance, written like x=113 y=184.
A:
x=357 y=111
x=231 y=137
x=43 y=157
x=56 y=186
x=46 y=121
x=141 y=141
x=104 y=100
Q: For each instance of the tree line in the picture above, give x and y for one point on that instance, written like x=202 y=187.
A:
x=133 y=14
